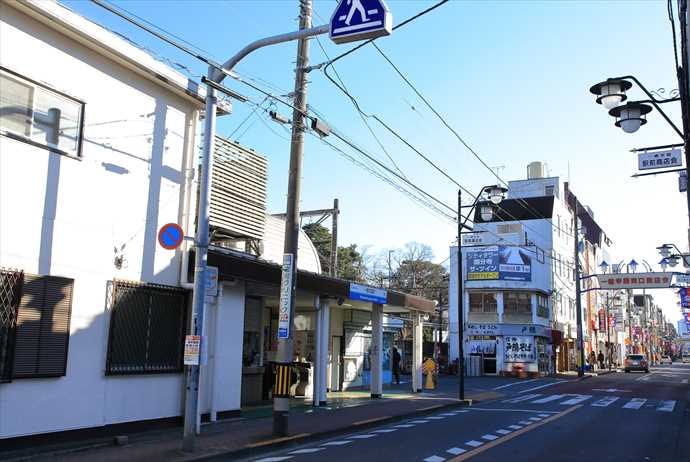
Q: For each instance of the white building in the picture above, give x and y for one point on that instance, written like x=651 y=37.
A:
x=518 y=273
x=97 y=151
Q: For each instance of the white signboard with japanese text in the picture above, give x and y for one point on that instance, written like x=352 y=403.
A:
x=648 y=160
x=634 y=281
x=485 y=238
x=518 y=349
x=284 y=320
x=192 y=347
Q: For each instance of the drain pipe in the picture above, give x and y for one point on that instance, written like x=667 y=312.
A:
x=189 y=201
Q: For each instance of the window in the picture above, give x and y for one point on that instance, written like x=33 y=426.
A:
x=147 y=327
x=36 y=114
x=42 y=334
x=542 y=306
x=517 y=303
x=548 y=190
x=10 y=294
x=483 y=303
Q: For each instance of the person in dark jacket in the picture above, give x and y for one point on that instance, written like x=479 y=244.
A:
x=396 y=365
x=600 y=357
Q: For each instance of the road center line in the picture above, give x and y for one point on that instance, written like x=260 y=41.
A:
x=542 y=386
x=531 y=411
x=517 y=433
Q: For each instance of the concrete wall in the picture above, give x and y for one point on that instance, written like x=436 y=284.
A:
x=64 y=216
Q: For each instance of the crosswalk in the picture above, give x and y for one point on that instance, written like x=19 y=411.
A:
x=595 y=401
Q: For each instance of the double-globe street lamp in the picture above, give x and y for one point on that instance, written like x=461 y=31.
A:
x=495 y=195
x=631 y=115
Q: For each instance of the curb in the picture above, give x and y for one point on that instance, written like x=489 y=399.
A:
x=298 y=440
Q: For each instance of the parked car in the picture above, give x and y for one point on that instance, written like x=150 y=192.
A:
x=666 y=360
x=636 y=363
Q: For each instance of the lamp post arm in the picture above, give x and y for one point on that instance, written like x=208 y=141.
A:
x=647 y=92
x=471 y=207
x=663 y=114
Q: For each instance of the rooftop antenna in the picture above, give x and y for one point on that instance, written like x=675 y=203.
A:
x=498 y=168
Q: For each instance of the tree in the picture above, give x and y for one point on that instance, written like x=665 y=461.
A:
x=416 y=274
x=351 y=260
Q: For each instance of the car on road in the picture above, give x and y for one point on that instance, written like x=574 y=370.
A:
x=636 y=363
x=685 y=358
x=666 y=360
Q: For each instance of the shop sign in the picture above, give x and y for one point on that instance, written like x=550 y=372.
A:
x=681 y=279
x=192 y=346
x=499 y=262
x=684 y=298
x=519 y=349
x=487 y=347
x=525 y=329
x=285 y=289
x=634 y=281
x=368 y=294
x=483 y=329
x=648 y=160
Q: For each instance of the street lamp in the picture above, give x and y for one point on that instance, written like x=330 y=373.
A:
x=611 y=92
x=604 y=266
x=633 y=265
x=663 y=263
x=631 y=116
x=495 y=195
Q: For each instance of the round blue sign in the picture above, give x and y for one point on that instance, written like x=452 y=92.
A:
x=170 y=236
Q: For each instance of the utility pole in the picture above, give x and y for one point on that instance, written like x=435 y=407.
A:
x=390 y=269
x=334 y=237
x=281 y=404
x=608 y=332
x=461 y=308
x=684 y=88
x=191 y=409
x=578 y=301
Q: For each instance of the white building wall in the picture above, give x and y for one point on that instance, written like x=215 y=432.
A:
x=125 y=186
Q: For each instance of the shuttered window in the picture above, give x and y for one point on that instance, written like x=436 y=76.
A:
x=43 y=320
x=10 y=294
x=147 y=326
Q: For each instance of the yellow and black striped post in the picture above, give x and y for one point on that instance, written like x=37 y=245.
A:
x=281 y=387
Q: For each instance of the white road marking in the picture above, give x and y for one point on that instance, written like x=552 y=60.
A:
x=435 y=417
x=522 y=398
x=455 y=451
x=536 y=419
x=362 y=437
x=576 y=400
x=514 y=383
x=684 y=381
x=530 y=411
x=403 y=426
x=525 y=422
x=605 y=401
x=548 y=398
x=337 y=443
x=419 y=421
x=542 y=386
x=634 y=403
x=449 y=414
x=515 y=427
x=434 y=459
x=474 y=443
x=503 y=432
x=666 y=406
x=544 y=415
x=274 y=459
x=388 y=430
x=306 y=451
x=489 y=437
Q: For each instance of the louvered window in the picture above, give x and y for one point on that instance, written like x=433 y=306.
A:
x=147 y=327
x=10 y=294
x=42 y=334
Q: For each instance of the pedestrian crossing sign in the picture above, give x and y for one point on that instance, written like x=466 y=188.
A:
x=359 y=20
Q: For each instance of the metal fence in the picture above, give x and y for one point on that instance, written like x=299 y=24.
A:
x=11 y=283
x=147 y=328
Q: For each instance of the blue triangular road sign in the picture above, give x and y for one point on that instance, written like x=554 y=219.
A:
x=359 y=20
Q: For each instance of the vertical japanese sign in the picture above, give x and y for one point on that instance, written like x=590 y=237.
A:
x=192 y=347
x=519 y=349
x=284 y=306
x=684 y=297
x=506 y=263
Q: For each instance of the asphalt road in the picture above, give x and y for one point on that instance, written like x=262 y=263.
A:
x=616 y=417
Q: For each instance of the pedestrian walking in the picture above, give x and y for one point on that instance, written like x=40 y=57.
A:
x=592 y=359
x=396 y=365
x=600 y=357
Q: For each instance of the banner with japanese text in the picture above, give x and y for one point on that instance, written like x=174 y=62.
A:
x=499 y=262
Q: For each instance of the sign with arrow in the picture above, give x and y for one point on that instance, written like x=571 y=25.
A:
x=359 y=20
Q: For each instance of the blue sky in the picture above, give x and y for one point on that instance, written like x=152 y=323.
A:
x=511 y=77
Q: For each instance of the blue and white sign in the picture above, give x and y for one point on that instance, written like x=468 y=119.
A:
x=368 y=294
x=359 y=20
x=499 y=262
x=284 y=319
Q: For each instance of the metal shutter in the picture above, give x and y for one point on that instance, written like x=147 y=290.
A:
x=43 y=327
x=10 y=293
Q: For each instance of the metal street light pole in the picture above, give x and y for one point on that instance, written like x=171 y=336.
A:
x=608 y=332
x=461 y=308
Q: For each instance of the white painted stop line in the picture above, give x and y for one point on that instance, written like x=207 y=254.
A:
x=666 y=406
x=523 y=398
x=548 y=398
x=635 y=403
x=603 y=402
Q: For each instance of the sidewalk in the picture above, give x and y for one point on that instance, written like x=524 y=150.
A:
x=346 y=411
